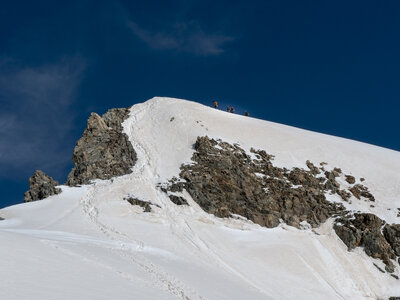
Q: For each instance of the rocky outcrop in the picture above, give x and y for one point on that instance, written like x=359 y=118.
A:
x=115 y=117
x=178 y=200
x=314 y=170
x=392 y=235
x=103 y=151
x=40 y=186
x=365 y=230
x=224 y=180
x=350 y=179
x=144 y=204
x=359 y=191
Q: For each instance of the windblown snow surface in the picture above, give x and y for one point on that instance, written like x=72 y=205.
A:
x=89 y=243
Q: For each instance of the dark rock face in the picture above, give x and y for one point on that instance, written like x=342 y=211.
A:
x=350 y=179
x=365 y=230
x=115 y=117
x=145 y=204
x=392 y=235
x=359 y=191
x=314 y=170
x=103 y=151
x=178 y=200
x=224 y=180
x=40 y=186
x=344 y=195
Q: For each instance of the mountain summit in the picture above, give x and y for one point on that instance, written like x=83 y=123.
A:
x=170 y=199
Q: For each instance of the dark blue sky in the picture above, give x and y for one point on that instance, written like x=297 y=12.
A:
x=327 y=66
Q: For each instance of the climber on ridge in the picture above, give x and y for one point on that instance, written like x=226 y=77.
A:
x=215 y=104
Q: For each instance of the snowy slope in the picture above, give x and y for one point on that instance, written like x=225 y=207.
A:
x=88 y=243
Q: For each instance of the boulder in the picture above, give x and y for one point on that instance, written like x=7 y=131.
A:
x=41 y=186
x=360 y=190
x=350 y=179
x=178 y=200
x=144 y=204
x=392 y=235
x=365 y=230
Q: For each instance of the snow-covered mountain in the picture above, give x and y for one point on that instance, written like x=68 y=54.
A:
x=89 y=242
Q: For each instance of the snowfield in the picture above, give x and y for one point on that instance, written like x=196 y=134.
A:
x=89 y=243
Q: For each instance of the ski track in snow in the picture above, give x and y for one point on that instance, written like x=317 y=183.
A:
x=136 y=178
x=179 y=224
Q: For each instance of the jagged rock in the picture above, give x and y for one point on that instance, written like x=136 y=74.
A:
x=1 y=219
x=344 y=195
x=103 y=151
x=364 y=230
x=349 y=235
x=336 y=172
x=224 y=181
x=178 y=200
x=115 y=117
x=350 y=179
x=392 y=235
x=145 y=204
x=41 y=186
x=355 y=191
x=312 y=168
x=331 y=184
x=389 y=267
x=360 y=190
x=330 y=175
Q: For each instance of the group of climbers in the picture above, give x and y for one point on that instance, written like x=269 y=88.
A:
x=230 y=109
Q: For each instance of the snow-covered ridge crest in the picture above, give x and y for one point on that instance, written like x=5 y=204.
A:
x=181 y=252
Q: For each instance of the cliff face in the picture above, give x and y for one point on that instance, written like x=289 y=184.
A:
x=103 y=151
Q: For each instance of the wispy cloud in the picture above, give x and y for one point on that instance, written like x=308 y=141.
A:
x=186 y=37
x=36 y=116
